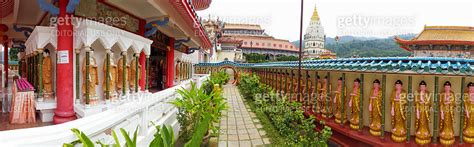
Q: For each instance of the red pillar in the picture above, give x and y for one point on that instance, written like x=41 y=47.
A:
x=5 y=61
x=170 y=64
x=142 y=62
x=64 y=83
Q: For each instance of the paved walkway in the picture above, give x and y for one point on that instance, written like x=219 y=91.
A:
x=239 y=126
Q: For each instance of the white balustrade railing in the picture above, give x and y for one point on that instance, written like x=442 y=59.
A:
x=140 y=111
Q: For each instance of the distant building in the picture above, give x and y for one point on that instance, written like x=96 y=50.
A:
x=234 y=40
x=441 y=41
x=314 y=39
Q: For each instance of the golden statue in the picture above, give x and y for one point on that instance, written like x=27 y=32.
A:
x=93 y=78
x=375 y=112
x=422 y=121
x=326 y=109
x=468 y=129
x=120 y=74
x=398 y=100
x=338 y=112
x=112 y=77
x=47 y=76
x=133 y=73
x=354 y=105
x=446 y=105
x=317 y=97
x=178 y=73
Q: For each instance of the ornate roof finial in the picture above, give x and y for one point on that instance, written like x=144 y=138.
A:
x=315 y=14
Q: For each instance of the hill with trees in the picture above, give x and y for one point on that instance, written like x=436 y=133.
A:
x=350 y=46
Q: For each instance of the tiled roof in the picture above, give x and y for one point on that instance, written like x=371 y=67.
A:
x=242 y=26
x=458 y=33
x=443 y=35
x=419 y=65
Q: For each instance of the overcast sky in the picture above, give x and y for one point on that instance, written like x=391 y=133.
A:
x=369 y=18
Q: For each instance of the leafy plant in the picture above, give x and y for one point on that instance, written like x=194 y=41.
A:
x=200 y=131
x=287 y=117
x=164 y=137
x=194 y=104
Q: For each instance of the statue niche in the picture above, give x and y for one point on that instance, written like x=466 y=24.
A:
x=47 y=76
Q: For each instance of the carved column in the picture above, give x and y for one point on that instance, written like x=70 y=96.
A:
x=107 y=74
x=384 y=94
x=78 y=78
x=40 y=73
x=361 y=112
x=87 y=75
x=410 y=107
x=136 y=71
x=436 y=111
x=124 y=72
x=147 y=72
x=461 y=120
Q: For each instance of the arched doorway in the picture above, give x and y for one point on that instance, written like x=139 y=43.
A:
x=233 y=73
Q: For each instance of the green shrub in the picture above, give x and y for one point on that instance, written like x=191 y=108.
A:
x=193 y=106
x=163 y=137
x=287 y=117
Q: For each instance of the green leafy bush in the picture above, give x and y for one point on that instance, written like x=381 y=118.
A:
x=220 y=78
x=194 y=105
x=163 y=137
x=287 y=117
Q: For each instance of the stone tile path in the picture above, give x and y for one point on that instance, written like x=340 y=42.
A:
x=239 y=126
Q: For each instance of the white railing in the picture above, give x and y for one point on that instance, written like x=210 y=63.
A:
x=141 y=111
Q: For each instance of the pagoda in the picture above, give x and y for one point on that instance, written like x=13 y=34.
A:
x=315 y=38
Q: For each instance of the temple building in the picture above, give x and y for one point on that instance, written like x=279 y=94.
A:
x=235 y=40
x=314 y=40
x=80 y=58
x=441 y=41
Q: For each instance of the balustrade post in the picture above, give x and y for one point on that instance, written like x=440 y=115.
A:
x=40 y=75
x=124 y=72
x=306 y=96
x=291 y=83
x=328 y=95
x=107 y=74
x=136 y=71
x=384 y=86
x=343 y=102
x=315 y=98
x=361 y=122
x=87 y=75
x=410 y=103
x=436 y=112
x=147 y=72
x=78 y=78
x=461 y=120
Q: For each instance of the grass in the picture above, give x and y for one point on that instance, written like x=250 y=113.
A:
x=271 y=132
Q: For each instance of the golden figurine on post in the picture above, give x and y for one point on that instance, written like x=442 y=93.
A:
x=375 y=113
x=398 y=100
x=422 y=121
x=338 y=113
x=323 y=98
x=354 y=105
x=318 y=95
x=446 y=107
x=468 y=129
